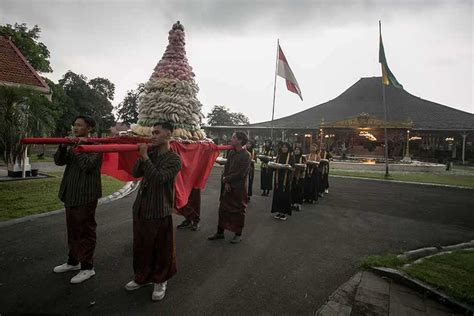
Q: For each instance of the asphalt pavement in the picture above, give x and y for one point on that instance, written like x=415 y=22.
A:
x=279 y=268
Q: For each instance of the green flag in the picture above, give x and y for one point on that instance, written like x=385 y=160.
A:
x=387 y=76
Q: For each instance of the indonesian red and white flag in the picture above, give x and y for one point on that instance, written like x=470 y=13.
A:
x=284 y=71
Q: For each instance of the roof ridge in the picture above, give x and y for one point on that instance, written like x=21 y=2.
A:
x=28 y=65
x=363 y=96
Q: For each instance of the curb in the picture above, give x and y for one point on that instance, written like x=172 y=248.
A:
x=424 y=288
x=429 y=251
x=127 y=189
x=406 y=182
x=340 y=301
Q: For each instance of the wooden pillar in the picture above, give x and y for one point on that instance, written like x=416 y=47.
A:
x=23 y=167
x=321 y=138
x=464 y=135
x=407 y=157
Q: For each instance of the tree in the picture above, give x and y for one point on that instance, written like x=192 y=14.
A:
x=127 y=110
x=91 y=98
x=23 y=112
x=27 y=42
x=240 y=119
x=104 y=87
x=63 y=107
x=222 y=116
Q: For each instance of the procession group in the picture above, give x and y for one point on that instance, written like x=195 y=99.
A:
x=294 y=178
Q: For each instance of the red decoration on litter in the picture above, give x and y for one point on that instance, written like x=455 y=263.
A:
x=108 y=140
x=121 y=153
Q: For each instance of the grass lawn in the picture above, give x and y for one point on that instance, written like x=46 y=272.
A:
x=463 y=179
x=27 y=197
x=34 y=158
x=451 y=273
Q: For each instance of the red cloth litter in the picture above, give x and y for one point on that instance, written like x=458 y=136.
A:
x=197 y=162
x=106 y=148
x=119 y=165
x=107 y=140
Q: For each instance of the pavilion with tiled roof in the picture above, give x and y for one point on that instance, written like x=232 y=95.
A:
x=356 y=119
x=16 y=71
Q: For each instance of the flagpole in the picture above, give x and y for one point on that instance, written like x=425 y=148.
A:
x=384 y=114
x=274 y=89
x=385 y=130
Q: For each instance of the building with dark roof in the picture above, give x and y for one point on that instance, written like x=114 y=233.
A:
x=355 y=121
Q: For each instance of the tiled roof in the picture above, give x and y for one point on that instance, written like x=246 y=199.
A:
x=119 y=127
x=365 y=96
x=15 y=69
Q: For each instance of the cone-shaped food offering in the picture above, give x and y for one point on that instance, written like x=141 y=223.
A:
x=171 y=93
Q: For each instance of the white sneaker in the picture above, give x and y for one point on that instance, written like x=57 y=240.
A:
x=65 y=267
x=283 y=217
x=159 y=291
x=132 y=285
x=326 y=191
x=82 y=276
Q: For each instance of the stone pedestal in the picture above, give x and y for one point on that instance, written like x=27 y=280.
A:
x=16 y=170
x=406 y=159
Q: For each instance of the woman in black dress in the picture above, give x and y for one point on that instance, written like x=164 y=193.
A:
x=266 y=174
x=297 y=187
x=281 y=203
x=253 y=158
x=312 y=176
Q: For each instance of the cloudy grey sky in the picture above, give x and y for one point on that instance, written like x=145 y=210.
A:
x=231 y=46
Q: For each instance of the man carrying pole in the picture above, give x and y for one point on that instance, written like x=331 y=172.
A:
x=80 y=190
x=154 y=254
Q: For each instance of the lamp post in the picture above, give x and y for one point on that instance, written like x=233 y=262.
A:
x=321 y=138
x=407 y=157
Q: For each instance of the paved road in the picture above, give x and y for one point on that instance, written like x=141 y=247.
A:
x=280 y=267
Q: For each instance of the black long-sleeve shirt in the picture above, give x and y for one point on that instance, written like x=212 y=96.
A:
x=155 y=198
x=81 y=181
x=236 y=168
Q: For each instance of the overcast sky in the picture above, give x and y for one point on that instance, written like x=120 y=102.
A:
x=231 y=46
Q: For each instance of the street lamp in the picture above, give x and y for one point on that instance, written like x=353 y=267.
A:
x=407 y=157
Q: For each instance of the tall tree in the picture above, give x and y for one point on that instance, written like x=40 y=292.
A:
x=91 y=98
x=222 y=116
x=27 y=41
x=104 y=87
x=127 y=110
x=63 y=107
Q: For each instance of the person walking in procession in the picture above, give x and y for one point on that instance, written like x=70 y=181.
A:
x=266 y=174
x=253 y=156
x=154 y=254
x=312 y=177
x=324 y=167
x=233 y=198
x=297 y=187
x=281 y=202
x=191 y=211
x=80 y=190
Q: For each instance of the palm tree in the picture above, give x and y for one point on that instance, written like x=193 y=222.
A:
x=23 y=112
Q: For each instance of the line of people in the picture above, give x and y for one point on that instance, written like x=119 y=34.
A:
x=296 y=178
x=154 y=253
